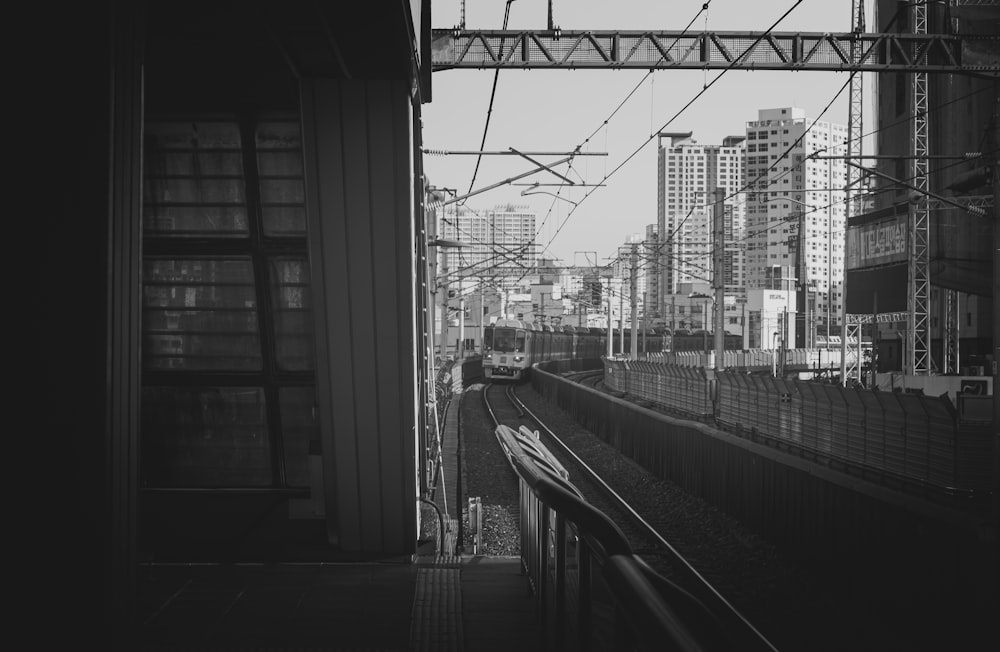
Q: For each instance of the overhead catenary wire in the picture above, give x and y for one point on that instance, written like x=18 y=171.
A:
x=780 y=220
x=570 y=213
x=748 y=187
x=698 y=95
x=489 y=111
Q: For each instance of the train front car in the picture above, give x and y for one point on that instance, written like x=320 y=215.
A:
x=507 y=345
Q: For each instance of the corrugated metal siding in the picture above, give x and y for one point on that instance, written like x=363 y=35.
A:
x=874 y=429
x=840 y=420
x=811 y=415
x=358 y=179
x=895 y=431
x=916 y=435
x=855 y=414
x=788 y=409
x=941 y=442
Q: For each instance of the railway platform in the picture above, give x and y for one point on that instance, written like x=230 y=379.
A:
x=432 y=603
x=438 y=599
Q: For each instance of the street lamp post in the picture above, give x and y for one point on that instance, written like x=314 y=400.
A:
x=482 y=320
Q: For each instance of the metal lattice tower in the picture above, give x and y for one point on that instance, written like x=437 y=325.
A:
x=918 y=359
x=850 y=343
x=855 y=124
x=950 y=333
x=850 y=361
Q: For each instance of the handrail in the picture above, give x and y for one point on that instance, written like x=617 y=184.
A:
x=654 y=620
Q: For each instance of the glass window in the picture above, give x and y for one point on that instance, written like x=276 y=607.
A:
x=300 y=432
x=503 y=339
x=193 y=181
x=205 y=437
x=292 y=306
x=200 y=314
x=228 y=349
x=282 y=188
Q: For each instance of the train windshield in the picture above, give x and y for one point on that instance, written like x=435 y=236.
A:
x=508 y=340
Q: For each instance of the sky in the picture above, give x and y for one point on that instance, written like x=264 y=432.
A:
x=559 y=110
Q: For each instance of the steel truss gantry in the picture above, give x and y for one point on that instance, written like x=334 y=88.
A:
x=918 y=53
x=647 y=50
x=851 y=330
x=918 y=356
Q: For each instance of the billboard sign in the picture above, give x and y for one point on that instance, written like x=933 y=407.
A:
x=877 y=243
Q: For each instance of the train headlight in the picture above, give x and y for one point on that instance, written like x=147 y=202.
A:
x=518 y=358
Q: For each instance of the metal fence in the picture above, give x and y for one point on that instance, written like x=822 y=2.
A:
x=799 y=359
x=910 y=436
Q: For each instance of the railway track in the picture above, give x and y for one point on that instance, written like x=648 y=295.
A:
x=590 y=378
x=643 y=522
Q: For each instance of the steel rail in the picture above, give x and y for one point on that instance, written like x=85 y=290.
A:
x=707 y=590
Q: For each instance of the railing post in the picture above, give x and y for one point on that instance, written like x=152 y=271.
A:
x=560 y=582
x=584 y=593
x=543 y=570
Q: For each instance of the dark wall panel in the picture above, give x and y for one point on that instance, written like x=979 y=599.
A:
x=888 y=282
x=356 y=134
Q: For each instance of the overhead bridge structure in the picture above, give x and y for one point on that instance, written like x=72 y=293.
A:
x=557 y=49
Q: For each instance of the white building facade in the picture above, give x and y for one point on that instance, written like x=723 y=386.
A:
x=691 y=178
x=795 y=224
x=498 y=242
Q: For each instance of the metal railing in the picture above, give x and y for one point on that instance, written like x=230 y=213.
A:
x=592 y=591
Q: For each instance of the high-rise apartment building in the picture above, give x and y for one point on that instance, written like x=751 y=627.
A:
x=688 y=177
x=795 y=227
x=499 y=242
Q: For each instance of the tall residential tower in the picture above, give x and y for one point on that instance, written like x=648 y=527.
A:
x=795 y=227
x=689 y=175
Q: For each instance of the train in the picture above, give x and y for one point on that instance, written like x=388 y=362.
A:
x=512 y=346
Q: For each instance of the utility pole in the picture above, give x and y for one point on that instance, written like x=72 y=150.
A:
x=621 y=322
x=611 y=332
x=645 y=326
x=995 y=127
x=444 y=305
x=743 y=324
x=802 y=284
x=673 y=326
x=634 y=301
x=784 y=337
x=718 y=278
x=460 y=349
